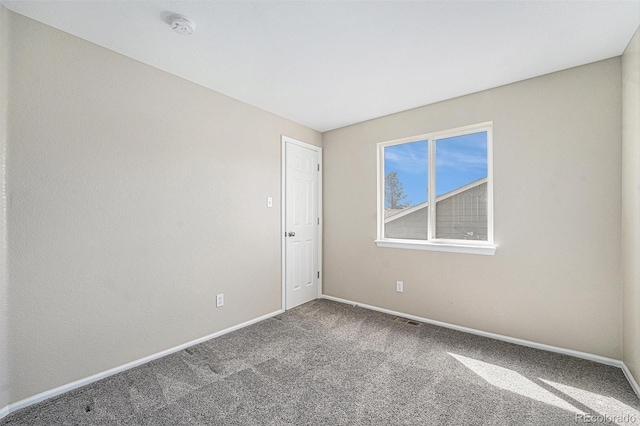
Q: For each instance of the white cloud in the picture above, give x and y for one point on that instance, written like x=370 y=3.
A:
x=409 y=158
x=471 y=158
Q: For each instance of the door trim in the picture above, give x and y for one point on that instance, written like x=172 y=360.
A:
x=285 y=140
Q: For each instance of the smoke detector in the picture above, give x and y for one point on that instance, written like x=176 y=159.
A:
x=182 y=25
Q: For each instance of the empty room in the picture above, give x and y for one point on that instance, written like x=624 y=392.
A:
x=319 y=212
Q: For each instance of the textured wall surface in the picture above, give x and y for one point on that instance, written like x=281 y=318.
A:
x=4 y=289
x=631 y=203
x=464 y=215
x=135 y=197
x=461 y=216
x=555 y=278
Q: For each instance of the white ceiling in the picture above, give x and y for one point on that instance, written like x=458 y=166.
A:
x=331 y=64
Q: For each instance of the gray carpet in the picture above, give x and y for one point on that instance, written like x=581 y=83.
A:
x=326 y=363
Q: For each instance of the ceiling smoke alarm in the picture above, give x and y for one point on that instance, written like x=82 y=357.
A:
x=182 y=25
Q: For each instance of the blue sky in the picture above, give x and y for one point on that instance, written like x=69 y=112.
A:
x=459 y=161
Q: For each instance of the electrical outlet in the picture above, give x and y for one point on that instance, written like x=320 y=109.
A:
x=219 y=300
x=399 y=286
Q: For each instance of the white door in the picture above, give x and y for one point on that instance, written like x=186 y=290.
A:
x=301 y=224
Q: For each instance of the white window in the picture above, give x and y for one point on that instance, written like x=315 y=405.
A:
x=435 y=191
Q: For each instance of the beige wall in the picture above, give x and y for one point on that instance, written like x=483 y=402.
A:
x=4 y=306
x=631 y=203
x=555 y=278
x=135 y=197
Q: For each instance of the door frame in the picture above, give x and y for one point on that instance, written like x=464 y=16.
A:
x=283 y=199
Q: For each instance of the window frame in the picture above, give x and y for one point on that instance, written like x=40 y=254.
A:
x=487 y=247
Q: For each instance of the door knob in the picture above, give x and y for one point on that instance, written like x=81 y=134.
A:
x=292 y=234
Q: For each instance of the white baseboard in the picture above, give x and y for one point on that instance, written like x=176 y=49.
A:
x=521 y=342
x=82 y=382
x=631 y=379
x=87 y=380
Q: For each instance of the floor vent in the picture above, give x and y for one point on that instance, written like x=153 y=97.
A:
x=406 y=321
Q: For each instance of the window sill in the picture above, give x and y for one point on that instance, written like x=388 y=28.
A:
x=488 y=250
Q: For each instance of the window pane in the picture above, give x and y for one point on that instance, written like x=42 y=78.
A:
x=405 y=191
x=461 y=187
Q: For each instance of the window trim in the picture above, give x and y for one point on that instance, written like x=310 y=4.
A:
x=431 y=243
